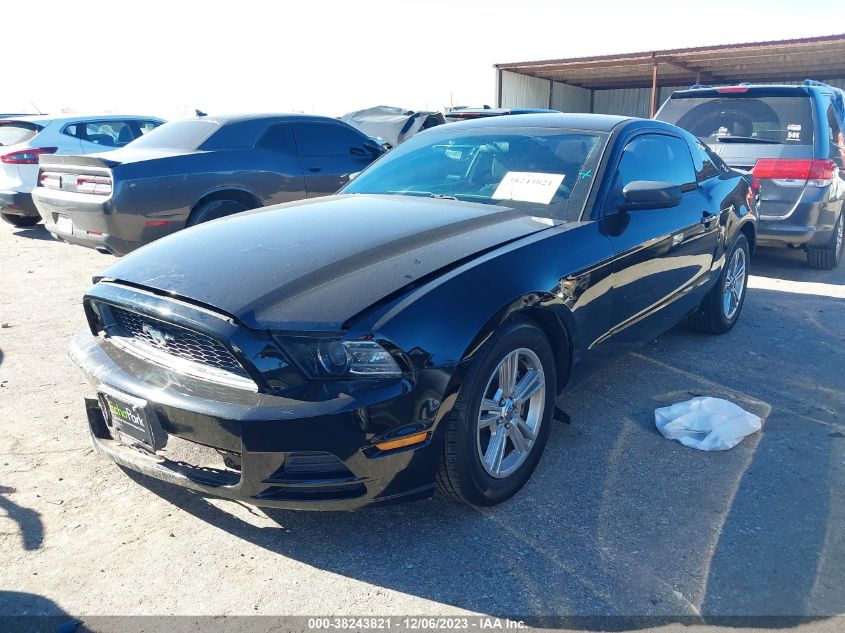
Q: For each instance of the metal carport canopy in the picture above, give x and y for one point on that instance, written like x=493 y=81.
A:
x=756 y=62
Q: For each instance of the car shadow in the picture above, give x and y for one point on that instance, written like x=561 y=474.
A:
x=37 y=232
x=30 y=613
x=29 y=521
x=619 y=528
x=790 y=265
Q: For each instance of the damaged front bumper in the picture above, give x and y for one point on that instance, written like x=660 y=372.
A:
x=258 y=448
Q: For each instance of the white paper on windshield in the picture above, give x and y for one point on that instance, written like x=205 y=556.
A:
x=527 y=186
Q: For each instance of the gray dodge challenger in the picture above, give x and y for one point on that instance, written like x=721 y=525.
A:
x=188 y=172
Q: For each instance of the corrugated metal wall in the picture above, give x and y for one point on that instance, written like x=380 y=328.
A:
x=629 y=101
x=522 y=91
x=530 y=92
x=570 y=98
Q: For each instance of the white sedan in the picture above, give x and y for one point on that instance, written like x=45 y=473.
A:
x=24 y=138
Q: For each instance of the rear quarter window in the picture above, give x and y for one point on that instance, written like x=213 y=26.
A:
x=14 y=132
x=743 y=118
x=179 y=135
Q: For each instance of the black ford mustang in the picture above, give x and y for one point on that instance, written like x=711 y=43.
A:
x=359 y=349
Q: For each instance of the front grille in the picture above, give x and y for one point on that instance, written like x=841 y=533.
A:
x=176 y=341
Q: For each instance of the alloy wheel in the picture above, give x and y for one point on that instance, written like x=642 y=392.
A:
x=734 y=284
x=511 y=413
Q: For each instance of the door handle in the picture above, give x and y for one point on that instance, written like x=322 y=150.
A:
x=314 y=169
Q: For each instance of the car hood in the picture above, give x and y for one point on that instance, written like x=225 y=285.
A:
x=315 y=264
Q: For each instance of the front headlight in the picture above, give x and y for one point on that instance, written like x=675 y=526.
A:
x=337 y=358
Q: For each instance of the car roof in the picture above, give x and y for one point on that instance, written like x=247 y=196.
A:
x=224 y=119
x=69 y=118
x=578 y=121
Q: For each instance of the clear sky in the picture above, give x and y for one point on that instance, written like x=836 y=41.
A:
x=168 y=57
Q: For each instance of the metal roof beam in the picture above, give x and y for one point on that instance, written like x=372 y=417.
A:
x=701 y=75
x=825 y=41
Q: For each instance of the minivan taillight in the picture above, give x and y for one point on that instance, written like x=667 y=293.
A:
x=27 y=156
x=795 y=172
x=100 y=185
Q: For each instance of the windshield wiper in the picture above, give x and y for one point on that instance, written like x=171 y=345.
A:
x=746 y=139
x=421 y=194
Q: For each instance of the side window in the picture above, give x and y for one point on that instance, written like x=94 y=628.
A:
x=328 y=139
x=656 y=157
x=106 y=133
x=122 y=132
x=708 y=168
x=147 y=126
x=279 y=138
x=837 y=142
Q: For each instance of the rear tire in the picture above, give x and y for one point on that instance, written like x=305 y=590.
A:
x=828 y=257
x=720 y=309
x=473 y=469
x=20 y=220
x=214 y=209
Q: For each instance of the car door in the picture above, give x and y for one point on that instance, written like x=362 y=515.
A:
x=662 y=257
x=329 y=153
x=281 y=176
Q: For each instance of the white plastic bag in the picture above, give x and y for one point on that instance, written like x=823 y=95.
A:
x=708 y=424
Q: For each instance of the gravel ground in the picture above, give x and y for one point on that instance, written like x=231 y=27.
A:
x=616 y=521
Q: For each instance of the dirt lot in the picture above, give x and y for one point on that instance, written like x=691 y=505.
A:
x=616 y=520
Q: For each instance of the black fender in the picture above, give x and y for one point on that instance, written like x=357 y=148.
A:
x=559 y=278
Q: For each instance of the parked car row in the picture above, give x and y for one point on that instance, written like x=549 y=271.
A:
x=196 y=170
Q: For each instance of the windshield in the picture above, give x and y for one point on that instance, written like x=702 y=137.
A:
x=187 y=135
x=543 y=172
x=743 y=118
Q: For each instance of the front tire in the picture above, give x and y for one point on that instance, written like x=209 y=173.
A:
x=828 y=257
x=720 y=309
x=20 y=220
x=214 y=209
x=499 y=425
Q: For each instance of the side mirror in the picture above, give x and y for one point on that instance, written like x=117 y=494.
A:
x=649 y=194
x=374 y=149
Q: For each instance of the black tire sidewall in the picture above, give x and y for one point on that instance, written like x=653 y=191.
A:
x=214 y=210
x=482 y=489
x=837 y=258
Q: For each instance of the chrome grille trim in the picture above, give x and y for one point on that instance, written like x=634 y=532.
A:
x=175 y=347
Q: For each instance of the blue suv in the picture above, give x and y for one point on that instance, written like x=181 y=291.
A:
x=790 y=138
